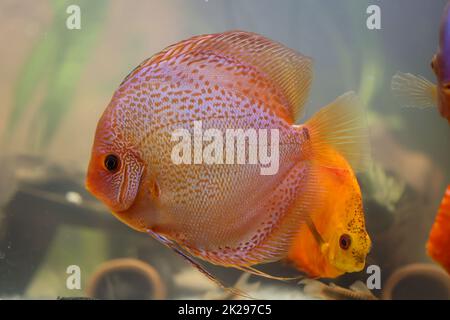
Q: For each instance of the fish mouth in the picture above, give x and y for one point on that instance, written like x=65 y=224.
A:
x=360 y=262
x=91 y=189
x=354 y=265
x=359 y=266
x=89 y=182
x=360 y=259
x=88 y=186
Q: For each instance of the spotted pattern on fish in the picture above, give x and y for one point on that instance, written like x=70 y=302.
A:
x=227 y=214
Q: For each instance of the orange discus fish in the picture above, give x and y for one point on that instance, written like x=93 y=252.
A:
x=230 y=213
x=438 y=246
x=337 y=241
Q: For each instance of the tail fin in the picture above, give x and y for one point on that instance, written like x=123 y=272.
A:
x=414 y=91
x=343 y=126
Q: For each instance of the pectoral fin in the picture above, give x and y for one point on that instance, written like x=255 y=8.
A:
x=414 y=91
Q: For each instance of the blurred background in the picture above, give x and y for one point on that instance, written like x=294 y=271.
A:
x=56 y=82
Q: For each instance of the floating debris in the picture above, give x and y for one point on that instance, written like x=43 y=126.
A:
x=74 y=197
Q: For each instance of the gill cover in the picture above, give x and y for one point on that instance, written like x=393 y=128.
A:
x=117 y=189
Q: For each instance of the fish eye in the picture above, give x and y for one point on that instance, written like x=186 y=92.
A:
x=111 y=162
x=345 y=241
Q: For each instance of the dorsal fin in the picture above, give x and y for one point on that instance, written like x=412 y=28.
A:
x=289 y=70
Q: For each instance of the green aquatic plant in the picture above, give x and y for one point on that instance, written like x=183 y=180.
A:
x=54 y=65
x=371 y=64
x=383 y=188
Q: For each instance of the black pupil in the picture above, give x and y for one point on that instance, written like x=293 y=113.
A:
x=344 y=242
x=111 y=162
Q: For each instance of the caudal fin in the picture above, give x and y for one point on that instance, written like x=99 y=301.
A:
x=414 y=91
x=341 y=125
